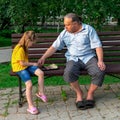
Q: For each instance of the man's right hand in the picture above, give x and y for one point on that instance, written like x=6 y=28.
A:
x=41 y=61
x=47 y=54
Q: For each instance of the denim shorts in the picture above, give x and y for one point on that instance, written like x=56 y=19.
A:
x=25 y=74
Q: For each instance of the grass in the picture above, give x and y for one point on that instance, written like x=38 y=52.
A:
x=5 y=41
x=5 y=38
x=7 y=81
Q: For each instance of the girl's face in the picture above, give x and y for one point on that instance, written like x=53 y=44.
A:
x=31 y=43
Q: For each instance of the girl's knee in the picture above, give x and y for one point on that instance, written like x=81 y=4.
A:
x=39 y=73
x=28 y=84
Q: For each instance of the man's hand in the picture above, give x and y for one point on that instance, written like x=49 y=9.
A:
x=41 y=61
x=101 y=65
x=47 y=54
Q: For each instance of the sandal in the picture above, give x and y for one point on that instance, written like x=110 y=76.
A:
x=33 y=111
x=80 y=105
x=90 y=103
x=42 y=97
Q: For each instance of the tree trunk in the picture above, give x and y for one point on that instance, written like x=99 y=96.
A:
x=118 y=21
x=43 y=21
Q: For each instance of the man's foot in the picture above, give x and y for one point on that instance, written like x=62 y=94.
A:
x=89 y=103
x=80 y=105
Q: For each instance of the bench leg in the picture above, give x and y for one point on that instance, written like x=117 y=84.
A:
x=20 y=93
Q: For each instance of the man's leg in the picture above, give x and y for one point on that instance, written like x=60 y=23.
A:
x=78 y=91
x=90 y=94
x=97 y=79
x=71 y=75
x=90 y=102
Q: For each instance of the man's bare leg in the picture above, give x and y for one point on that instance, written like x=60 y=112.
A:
x=90 y=94
x=76 y=88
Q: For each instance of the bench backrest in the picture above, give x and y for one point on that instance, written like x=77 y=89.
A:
x=110 y=41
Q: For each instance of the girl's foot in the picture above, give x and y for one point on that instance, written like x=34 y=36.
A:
x=33 y=110
x=42 y=97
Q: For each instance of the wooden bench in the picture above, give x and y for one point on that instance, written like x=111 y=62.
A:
x=111 y=46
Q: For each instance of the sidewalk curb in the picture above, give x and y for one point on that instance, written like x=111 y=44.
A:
x=8 y=47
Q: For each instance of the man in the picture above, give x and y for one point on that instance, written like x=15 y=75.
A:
x=84 y=51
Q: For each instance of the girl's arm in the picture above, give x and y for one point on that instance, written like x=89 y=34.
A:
x=23 y=63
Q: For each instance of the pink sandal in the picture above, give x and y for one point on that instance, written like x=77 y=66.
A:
x=33 y=111
x=42 y=97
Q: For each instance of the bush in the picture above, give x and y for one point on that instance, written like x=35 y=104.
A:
x=6 y=33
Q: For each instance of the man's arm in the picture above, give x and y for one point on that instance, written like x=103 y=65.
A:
x=47 y=54
x=99 y=52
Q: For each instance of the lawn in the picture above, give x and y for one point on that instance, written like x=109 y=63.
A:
x=5 y=41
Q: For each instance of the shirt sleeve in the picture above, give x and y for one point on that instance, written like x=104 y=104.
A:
x=58 y=44
x=94 y=39
x=20 y=54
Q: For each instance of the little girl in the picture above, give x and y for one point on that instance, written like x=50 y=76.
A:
x=22 y=66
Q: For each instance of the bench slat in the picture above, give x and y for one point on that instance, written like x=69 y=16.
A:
x=108 y=33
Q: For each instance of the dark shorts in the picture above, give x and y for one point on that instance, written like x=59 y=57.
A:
x=73 y=70
x=25 y=75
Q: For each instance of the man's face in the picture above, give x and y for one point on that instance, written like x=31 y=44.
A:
x=69 y=25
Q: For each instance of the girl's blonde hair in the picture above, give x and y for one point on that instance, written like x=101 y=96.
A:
x=26 y=38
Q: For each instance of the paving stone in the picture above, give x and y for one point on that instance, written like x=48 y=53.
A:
x=2 y=118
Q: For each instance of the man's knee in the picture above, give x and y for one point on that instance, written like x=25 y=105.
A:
x=98 y=78
x=69 y=76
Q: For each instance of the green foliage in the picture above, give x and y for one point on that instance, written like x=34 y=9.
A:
x=5 y=41
x=4 y=18
x=5 y=33
x=22 y=13
x=63 y=94
x=5 y=79
x=115 y=9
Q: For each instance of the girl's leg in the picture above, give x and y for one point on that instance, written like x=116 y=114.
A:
x=25 y=76
x=40 y=75
x=31 y=108
x=29 y=94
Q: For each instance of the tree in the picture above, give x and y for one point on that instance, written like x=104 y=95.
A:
x=115 y=9
x=23 y=12
x=4 y=18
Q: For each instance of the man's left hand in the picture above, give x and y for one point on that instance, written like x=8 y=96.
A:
x=101 y=65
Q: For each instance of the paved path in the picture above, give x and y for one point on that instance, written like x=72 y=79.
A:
x=107 y=105
x=5 y=54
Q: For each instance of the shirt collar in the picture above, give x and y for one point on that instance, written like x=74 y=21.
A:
x=83 y=26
